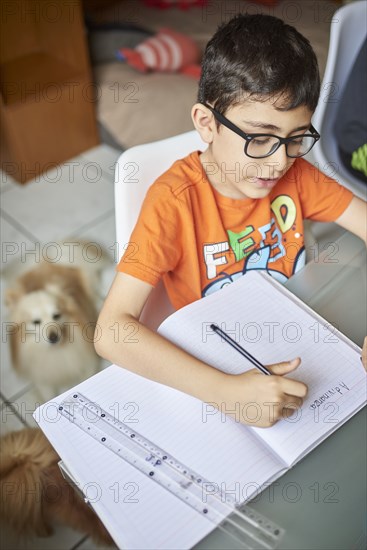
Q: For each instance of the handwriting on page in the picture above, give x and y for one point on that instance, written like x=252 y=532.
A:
x=340 y=389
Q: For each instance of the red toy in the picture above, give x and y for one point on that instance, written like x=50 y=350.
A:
x=167 y=51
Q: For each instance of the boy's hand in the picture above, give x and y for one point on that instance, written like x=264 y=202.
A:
x=364 y=353
x=259 y=400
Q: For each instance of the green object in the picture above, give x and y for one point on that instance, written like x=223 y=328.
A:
x=359 y=159
x=239 y=244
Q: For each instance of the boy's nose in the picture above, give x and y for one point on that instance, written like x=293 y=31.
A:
x=278 y=160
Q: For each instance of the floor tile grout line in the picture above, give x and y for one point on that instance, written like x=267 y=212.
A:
x=16 y=395
x=8 y=403
x=97 y=220
x=84 y=161
x=18 y=226
x=82 y=228
x=79 y=543
x=58 y=166
x=103 y=170
x=7 y=185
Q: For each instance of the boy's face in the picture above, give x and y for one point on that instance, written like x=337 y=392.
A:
x=234 y=174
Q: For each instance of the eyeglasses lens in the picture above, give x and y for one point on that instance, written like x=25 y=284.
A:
x=263 y=146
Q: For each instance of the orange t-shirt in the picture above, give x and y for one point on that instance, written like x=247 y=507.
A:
x=198 y=240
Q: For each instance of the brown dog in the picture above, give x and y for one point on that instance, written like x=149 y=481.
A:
x=52 y=315
x=34 y=494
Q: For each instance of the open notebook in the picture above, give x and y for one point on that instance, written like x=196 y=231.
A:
x=273 y=325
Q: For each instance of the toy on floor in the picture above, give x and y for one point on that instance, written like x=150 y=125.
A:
x=167 y=51
x=35 y=496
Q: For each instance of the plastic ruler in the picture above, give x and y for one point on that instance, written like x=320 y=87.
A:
x=249 y=528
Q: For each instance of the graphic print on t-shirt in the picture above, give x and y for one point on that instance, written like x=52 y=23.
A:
x=197 y=240
x=260 y=248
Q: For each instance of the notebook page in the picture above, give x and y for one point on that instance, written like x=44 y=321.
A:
x=257 y=313
x=137 y=512
x=119 y=494
x=225 y=453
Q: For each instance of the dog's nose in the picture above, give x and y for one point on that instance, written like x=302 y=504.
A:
x=53 y=337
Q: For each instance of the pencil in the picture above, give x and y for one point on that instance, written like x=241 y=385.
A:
x=240 y=349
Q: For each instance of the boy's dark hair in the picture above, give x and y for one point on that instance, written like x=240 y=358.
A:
x=259 y=56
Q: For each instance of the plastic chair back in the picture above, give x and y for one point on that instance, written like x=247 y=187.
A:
x=348 y=31
x=136 y=169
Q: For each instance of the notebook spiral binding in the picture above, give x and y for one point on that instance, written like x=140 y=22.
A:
x=247 y=526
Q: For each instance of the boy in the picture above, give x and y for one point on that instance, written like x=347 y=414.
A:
x=237 y=206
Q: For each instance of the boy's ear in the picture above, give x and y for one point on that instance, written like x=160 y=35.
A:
x=204 y=122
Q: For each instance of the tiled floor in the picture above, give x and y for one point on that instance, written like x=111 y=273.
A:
x=74 y=200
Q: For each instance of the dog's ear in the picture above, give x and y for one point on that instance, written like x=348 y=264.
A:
x=12 y=295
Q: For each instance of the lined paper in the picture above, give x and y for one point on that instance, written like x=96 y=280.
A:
x=274 y=326
x=222 y=451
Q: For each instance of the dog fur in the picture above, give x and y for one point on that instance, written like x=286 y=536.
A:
x=52 y=315
x=35 y=496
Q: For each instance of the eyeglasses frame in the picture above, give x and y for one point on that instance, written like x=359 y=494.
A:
x=248 y=137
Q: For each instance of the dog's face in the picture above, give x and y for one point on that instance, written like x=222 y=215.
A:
x=41 y=311
x=51 y=328
x=43 y=315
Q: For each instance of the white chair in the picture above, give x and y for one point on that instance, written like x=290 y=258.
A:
x=348 y=31
x=136 y=170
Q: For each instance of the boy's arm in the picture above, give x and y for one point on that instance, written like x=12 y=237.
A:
x=123 y=340
x=364 y=353
x=354 y=218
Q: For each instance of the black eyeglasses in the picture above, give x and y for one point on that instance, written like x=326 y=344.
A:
x=258 y=146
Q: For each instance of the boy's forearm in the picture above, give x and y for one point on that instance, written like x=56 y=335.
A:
x=128 y=343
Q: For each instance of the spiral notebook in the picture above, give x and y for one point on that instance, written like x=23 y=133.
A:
x=273 y=325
